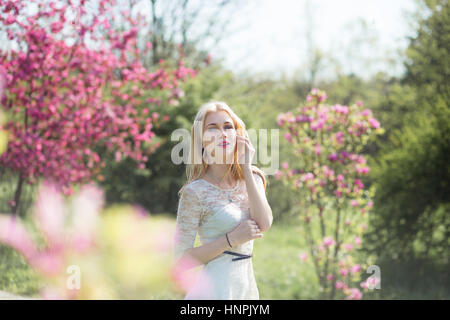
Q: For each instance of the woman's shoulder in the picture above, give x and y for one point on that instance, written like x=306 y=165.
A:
x=191 y=186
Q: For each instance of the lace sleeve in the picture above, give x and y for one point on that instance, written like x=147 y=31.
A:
x=188 y=220
x=259 y=182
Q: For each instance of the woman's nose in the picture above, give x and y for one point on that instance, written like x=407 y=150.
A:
x=223 y=133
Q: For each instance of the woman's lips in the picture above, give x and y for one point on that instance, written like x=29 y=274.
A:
x=223 y=144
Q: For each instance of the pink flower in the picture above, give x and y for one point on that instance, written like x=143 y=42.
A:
x=14 y=234
x=355 y=294
x=371 y=282
x=374 y=123
x=10 y=19
x=357 y=240
x=355 y=268
x=343 y=272
x=285 y=165
x=317 y=149
x=328 y=241
x=340 y=285
x=348 y=246
x=303 y=256
x=359 y=183
x=185 y=276
x=288 y=136
x=280 y=119
x=333 y=157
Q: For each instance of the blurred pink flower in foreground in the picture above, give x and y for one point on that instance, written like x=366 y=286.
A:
x=303 y=256
x=61 y=237
x=187 y=277
x=121 y=253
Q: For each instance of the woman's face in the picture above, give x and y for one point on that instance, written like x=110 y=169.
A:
x=218 y=127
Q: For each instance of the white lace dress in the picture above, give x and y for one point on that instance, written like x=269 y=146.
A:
x=205 y=209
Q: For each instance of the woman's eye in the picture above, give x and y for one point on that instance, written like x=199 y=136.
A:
x=226 y=127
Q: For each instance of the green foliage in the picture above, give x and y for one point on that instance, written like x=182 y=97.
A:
x=412 y=182
x=428 y=65
x=411 y=209
x=15 y=274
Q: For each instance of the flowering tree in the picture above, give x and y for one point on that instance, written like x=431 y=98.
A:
x=73 y=86
x=333 y=204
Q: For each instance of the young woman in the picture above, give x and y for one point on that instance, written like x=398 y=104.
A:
x=224 y=201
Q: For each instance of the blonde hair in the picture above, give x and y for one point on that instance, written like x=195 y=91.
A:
x=195 y=170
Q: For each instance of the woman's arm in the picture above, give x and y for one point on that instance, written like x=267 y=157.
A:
x=205 y=253
x=189 y=214
x=260 y=209
x=188 y=221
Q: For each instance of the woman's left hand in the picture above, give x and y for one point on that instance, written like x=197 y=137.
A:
x=246 y=151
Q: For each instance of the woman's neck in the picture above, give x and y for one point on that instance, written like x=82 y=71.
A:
x=218 y=171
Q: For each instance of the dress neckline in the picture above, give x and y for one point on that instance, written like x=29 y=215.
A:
x=222 y=189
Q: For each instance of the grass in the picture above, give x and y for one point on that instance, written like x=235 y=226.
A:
x=15 y=274
x=279 y=272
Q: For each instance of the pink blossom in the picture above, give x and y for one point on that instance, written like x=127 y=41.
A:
x=317 y=149
x=13 y=233
x=367 y=112
x=10 y=19
x=356 y=268
x=340 y=284
x=372 y=282
x=185 y=276
x=328 y=241
x=303 y=256
x=374 y=123
x=343 y=272
x=355 y=294
x=288 y=136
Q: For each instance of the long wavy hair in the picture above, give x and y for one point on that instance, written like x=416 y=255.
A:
x=197 y=166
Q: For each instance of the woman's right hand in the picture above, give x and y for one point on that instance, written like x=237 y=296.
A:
x=246 y=230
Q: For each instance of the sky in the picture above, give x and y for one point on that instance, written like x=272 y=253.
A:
x=269 y=36
x=273 y=39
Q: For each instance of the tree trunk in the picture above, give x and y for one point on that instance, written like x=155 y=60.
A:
x=17 y=194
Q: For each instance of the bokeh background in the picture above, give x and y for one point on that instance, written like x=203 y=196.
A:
x=263 y=58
